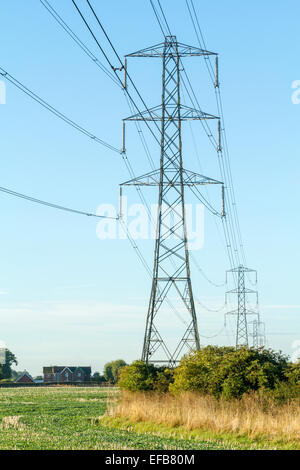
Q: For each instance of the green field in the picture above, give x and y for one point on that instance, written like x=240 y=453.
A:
x=73 y=418
x=68 y=418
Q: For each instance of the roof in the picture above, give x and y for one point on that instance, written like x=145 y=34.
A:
x=59 y=369
x=23 y=375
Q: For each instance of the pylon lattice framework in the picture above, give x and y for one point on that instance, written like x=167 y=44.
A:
x=258 y=333
x=242 y=312
x=171 y=270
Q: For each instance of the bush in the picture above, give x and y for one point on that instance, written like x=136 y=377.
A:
x=229 y=373
x=293 y=374
x=139 y=376
x=98 y=378
x=222 y=372
x=289 y=388
x=112 y=369
x=162 y=380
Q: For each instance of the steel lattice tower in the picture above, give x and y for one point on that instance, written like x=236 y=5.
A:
x=171 y=272
x=242 y=312
x=258 y=333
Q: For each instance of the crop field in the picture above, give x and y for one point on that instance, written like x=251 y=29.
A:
x=74 y=418
x=71 y=418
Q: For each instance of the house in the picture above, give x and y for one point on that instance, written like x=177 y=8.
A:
x=25 y=378
x=66 y=374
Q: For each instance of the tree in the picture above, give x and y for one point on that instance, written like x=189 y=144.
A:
x=98 y=378
x=137 y=377
x=141 y=377
x=5 y=369
x=111 y=370
x=228 y=372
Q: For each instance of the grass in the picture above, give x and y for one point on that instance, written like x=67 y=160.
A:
x=72 y=418
x=78 y=418
x=250 y=422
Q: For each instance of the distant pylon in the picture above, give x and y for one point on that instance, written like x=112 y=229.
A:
x=171 y=272
x=258 y=333
x=242 y=312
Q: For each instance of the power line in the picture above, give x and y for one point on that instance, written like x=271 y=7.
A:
x=230 y=222
x=115 y=69
x=54 y=111
x=95 y=60
x=164 y=17
x=211 y=310
x=130 y=98
x=214 y=336
x=122 y=66
x=204 y=275
x=78 y=41
x=158 y=19
x=50 y=204
x=225 y=162
x=212 y=139
x=127 y=94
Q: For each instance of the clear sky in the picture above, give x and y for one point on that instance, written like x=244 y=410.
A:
x=67 y=297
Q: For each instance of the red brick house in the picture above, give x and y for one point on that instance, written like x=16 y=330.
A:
x=65 y=374
x=25 y=378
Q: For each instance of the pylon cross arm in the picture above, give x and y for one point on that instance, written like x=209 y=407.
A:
x=153 y=178
x=180 y=49
x=171 y=112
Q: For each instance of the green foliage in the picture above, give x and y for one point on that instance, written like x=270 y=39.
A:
x=293 y=373
x=111 y=370
x=163 y=379
x=223 y=372
x=289 y=388
x=136 y=377
x=139 y=376
x=5 y=369
x=228 y=372
x=98 y=378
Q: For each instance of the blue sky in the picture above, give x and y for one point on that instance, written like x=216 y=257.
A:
x=65 y=295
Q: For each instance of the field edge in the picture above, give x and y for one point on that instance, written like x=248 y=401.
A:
x=228 y=441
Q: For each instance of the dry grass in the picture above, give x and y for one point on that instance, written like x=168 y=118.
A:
x=251 y=416
x=12 y=422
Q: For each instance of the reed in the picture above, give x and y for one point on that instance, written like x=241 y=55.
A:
x=252 y=415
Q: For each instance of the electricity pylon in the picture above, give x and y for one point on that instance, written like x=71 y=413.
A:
x=258 y=333
x=242 y=312
x=171 y=272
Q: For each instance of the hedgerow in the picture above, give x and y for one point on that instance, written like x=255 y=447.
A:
x=222 y=372
x=139 y=376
